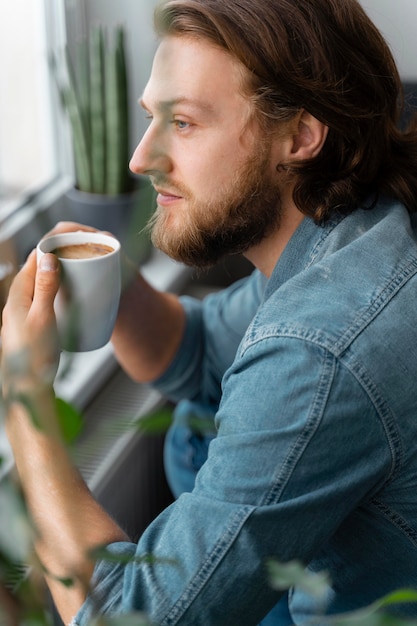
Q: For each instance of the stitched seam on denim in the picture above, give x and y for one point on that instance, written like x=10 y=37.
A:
x=254 y=335
x=384 y=413
x=256 y=332
x=364 y=319
x=208 y=566
x=397 y=520
x=315 y=415
x=370 y=388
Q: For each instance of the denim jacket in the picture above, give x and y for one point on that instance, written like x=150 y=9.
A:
x=315 y=376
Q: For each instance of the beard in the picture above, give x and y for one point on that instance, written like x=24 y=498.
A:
x=238 y=217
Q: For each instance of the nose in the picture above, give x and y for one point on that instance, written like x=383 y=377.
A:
x=150 y=156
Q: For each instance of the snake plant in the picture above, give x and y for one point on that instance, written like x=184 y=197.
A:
x=94 y=94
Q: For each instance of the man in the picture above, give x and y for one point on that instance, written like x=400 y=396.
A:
x=273 y=133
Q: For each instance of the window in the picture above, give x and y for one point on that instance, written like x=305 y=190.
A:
x=29 y=157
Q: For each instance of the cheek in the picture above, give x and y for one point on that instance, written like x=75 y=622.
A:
x=215 y=169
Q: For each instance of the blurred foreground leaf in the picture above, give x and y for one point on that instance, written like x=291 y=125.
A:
x=70 y=420
x=103 y=554
x=375 y=614
x=159 y=421
x=155 y=423
x=134 y=619
x=283 y=576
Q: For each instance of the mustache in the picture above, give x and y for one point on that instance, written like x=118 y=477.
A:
x=168 y=184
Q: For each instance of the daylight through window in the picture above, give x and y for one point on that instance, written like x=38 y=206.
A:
x=27 y=153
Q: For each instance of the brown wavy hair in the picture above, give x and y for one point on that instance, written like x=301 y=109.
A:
x=327 y=57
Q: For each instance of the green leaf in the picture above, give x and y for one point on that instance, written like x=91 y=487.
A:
x=375 y=614
x=27 y=401
x=399 y=597
x=97 y=110
x=70 y=420
x=154 y=423
x=117 y=116
x=65 y=581
x=159 y=421
x=94 y=94
x=79 y=120
x=133 y=619
x=103 y=554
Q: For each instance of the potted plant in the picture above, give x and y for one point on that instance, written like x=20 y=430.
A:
x=94 y=91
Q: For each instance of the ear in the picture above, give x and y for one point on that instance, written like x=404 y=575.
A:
x=308 y=137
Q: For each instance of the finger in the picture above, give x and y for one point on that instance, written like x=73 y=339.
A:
x=29 y=332
x=46 y=282
x=23 y=285
x=68 y=227
x=41 y=320
x=18 y=305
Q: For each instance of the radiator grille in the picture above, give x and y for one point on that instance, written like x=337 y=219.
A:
x=109 y=426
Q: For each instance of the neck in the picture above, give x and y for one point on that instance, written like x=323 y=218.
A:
x=265 y=255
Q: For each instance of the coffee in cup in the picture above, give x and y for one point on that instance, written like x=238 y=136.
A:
x=82 y=250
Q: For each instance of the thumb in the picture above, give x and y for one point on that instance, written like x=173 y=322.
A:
x=47 y=280
x=41 y=318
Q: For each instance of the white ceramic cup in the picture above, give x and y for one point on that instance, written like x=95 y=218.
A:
x=87 y=301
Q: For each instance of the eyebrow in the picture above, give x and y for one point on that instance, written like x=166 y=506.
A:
x=166 y=105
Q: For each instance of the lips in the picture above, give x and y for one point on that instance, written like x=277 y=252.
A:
x=166 y=197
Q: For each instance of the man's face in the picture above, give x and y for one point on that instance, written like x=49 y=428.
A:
x=204 y=155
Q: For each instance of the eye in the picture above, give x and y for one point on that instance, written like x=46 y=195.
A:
x=181 y=124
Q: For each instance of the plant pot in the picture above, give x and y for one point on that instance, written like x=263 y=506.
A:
x=125 y=216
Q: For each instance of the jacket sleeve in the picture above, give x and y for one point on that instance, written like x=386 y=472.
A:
x=299 y=446
x=214 y=329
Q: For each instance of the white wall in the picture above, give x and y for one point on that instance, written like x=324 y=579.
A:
x=397 y=20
